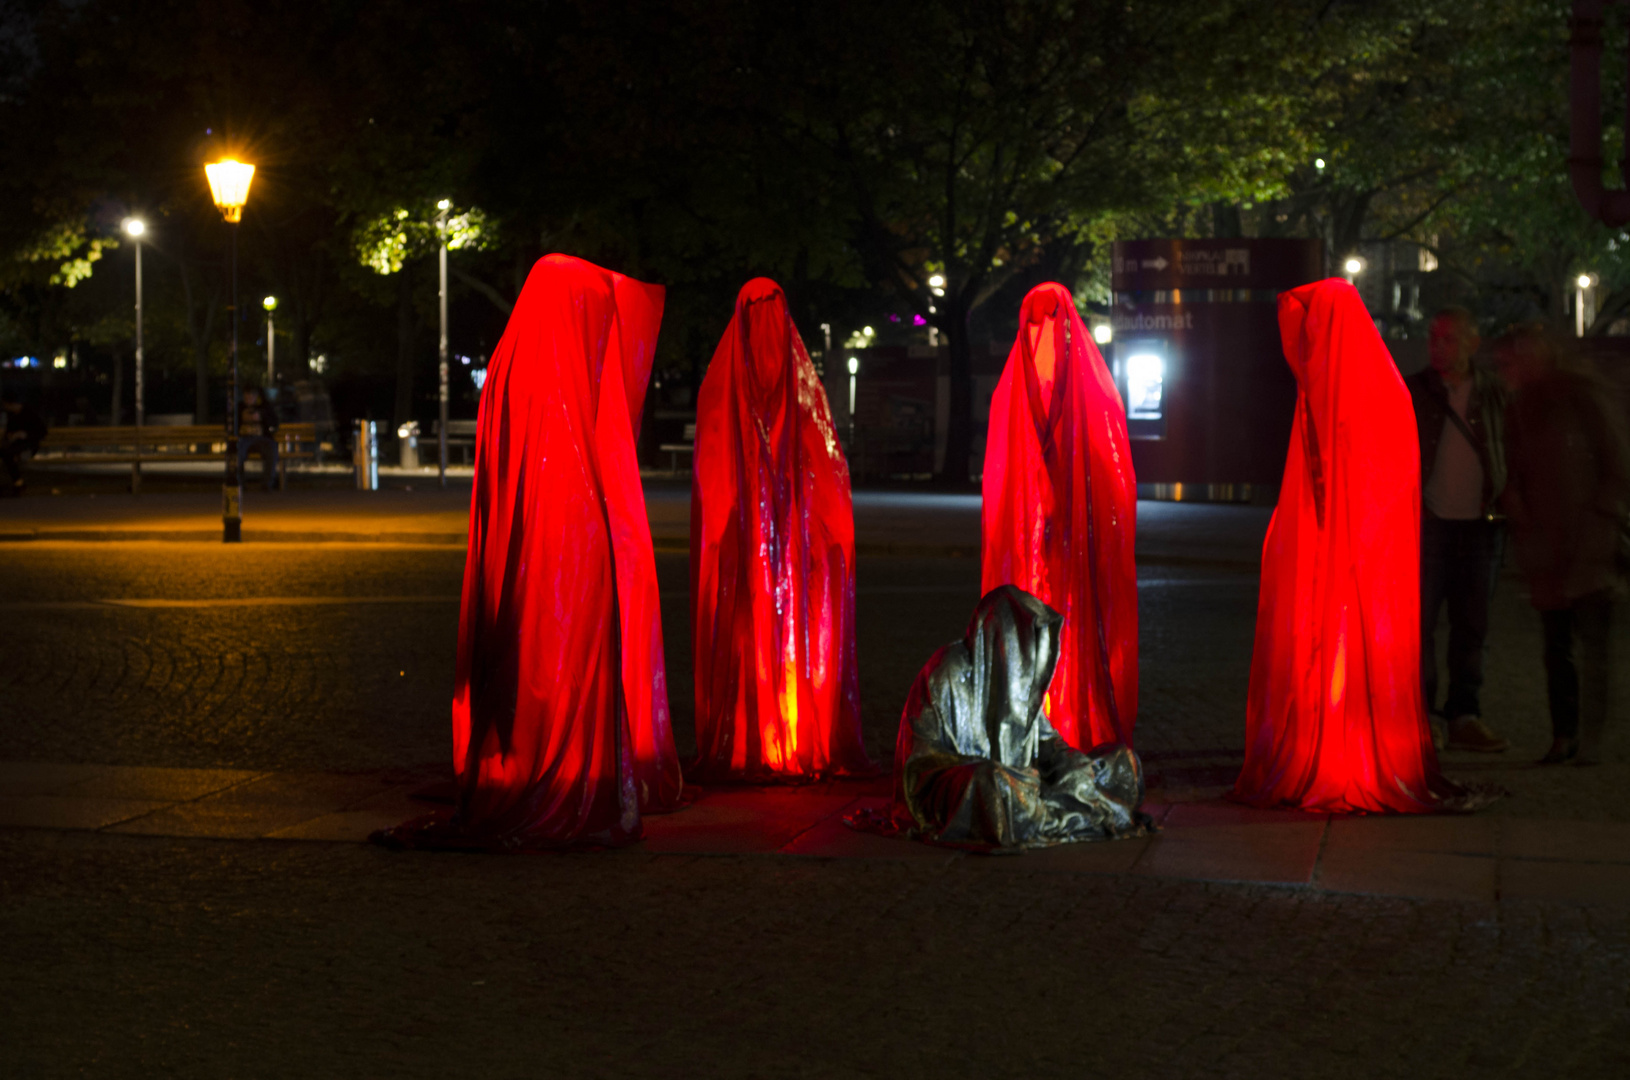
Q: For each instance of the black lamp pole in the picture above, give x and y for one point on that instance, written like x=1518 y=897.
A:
x=232 y=493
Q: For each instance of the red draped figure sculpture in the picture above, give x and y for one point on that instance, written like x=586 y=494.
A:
x=772 y=561
x=1060 y=513
x=560 y=706
x=1336 y=720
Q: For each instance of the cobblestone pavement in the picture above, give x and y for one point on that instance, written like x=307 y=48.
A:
x=158 y=955
x=145 y=957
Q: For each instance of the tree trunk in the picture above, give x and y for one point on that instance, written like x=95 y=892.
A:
x=959 y=424
x=404 y=348
x=116 y=408
x=201 y=311
x=300 y=345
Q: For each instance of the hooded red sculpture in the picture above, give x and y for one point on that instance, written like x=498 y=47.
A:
x=560 y=710
x=1336 y=720
x=772 y=561
x=1060 y=514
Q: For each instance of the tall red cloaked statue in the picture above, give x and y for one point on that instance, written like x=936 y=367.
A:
x=1060 y=514
x=772 y=561
x=561 y=734
x=1336 y=720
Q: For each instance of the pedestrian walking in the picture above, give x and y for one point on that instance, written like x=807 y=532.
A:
x=1459 y=420
x=1567 y=498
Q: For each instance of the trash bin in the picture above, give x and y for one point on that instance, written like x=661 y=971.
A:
x=365 y=455
x=408 y=437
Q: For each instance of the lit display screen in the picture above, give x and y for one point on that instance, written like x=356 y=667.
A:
x=1145 y=383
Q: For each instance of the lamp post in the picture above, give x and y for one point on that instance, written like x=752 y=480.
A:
x=441 y=350
x=135 y=228
x=270 y=304
x=1354 y=266
x=229 y=186
x=1582 y=295
x=854 y=372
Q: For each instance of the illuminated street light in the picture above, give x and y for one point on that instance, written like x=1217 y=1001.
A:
x=229 y=187
x=1584 y=298
x=270 y=304
x=854 y=371
x=136 y=228
x=1353 y=266
x=1103 y=334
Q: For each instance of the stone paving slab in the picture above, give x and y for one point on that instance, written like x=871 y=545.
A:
x=1471 y=859
x=830 y=838
x=1426 y=875
x=739 y=822
x=1571 y=882
x=1274 y=854
x=58 y=812
x=156 y=784
x=1579 y=841
x=1462 y=835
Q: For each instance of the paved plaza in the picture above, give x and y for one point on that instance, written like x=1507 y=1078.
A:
x=195 y=740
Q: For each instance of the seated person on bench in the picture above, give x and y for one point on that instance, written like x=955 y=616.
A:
x=25 y=428
x=257 y=423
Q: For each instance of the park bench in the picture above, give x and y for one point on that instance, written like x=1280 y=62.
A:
x=461 y=434
x=673 y=450
x=172 y=442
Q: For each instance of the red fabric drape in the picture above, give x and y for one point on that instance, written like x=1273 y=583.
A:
x=1060 y=513
x=772 y=560
x=1336 y=720
x=560 y=710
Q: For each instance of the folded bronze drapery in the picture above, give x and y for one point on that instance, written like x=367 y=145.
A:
x=977 y=763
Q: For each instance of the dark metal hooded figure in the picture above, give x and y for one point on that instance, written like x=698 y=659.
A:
x=979 y=765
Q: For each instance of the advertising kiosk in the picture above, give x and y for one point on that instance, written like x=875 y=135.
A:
x=1209 y=398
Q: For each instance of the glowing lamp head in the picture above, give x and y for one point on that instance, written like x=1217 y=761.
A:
x=134 y=227
x=1353 y=265
x=1102 y=333
x=444 y=204
x=1584 y=281
x=937 y=281
x=854 y=365
x=229 y=186
x=270 y=303
x=1318 y=163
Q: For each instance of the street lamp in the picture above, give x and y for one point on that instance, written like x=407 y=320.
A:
x=1103 y=333
x=229 y=187
x=1583 y=295
x=854 y=372
x=1353 y=267
x=135 y=228
x=270 y=304
x=441 y=352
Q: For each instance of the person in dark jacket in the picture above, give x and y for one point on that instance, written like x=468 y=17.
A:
x=1567 y=500
x=1460 y=420
x=25 y=430
x=257 y=424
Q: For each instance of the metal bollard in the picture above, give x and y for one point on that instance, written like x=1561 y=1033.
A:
x=408 y=436
x=366 y=455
